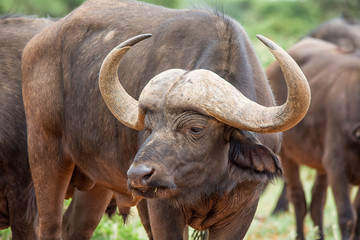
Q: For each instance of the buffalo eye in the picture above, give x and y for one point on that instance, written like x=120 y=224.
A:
x=197 y=131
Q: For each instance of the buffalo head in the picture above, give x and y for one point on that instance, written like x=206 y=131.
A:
x=201 y=128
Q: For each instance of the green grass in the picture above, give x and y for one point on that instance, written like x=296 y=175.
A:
x=5 y=234
x=114 y=228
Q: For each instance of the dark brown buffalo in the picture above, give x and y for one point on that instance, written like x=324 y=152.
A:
x=328 y=138
x=199 y=164
x=17 y=197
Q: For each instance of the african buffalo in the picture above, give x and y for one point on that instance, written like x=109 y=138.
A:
x=17 y=197
x=203 y=158
x=328 y=138
x=343 y=32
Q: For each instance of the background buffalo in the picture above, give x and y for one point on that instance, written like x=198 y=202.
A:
x=327 y=139
x=17 y=197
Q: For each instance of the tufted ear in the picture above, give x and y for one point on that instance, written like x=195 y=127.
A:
x=249 y=159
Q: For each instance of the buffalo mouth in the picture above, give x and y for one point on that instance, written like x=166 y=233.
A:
x=153 y=191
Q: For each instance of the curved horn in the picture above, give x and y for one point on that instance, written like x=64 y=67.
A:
x=121 y=104
x=297 y=104
x=228 y=105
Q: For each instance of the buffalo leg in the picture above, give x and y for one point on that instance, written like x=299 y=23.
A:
x=166 y=222
x=51 y=176
x=296 y=194
x=145 y=219
x=22 y=209
x=235 y=228
x=340 y=188
x=346 y=216
x=85 y=212
x=282 y=204
x=334 y=160
x=144 y=216
x=357 y=209
x=318 y=202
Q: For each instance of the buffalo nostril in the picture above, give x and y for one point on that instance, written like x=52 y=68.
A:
x=140 y=173
x=147 y=176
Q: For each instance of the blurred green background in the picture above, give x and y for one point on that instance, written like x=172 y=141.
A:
x=284 y=17
x=285 y=22
x=241 y=9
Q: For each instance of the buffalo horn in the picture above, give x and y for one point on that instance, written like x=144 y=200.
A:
x=121 y=104
x=206 y=92
x=289 y=114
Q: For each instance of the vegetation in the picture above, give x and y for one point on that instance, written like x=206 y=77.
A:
x=285 y=22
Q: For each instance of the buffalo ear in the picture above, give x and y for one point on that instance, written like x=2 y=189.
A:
x=249 y=159
x=346 y=45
